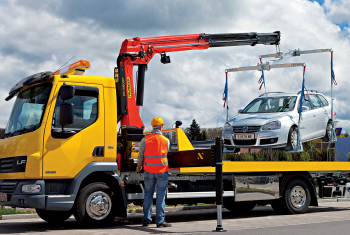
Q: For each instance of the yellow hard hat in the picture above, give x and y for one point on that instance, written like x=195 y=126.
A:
x=157 y=121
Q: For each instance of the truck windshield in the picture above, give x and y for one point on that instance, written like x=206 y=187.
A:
x=27 y=112
x=271 y=105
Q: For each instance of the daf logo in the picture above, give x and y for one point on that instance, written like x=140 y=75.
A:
x=245 y=129
x=20 y=162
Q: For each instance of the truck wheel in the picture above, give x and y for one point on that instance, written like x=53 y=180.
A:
x=54 y=217
x=96 y=205
x=292 y=139
x=238 y=207
x=328 y=135
x=297 y=197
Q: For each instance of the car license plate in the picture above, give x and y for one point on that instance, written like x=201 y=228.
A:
x=244 y=137
x=3 y=197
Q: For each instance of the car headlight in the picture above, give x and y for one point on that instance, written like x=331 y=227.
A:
x=227 y=127
x=271 y=126
x=31 y=188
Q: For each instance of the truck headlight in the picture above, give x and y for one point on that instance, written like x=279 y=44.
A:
x=271 y=126
x=31 y=188
x=227 y=127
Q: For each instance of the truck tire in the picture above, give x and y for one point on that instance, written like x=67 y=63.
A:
x=238 y=207
x=54 y=217
x=297 y=197
x=95 y=206
x=292 y=139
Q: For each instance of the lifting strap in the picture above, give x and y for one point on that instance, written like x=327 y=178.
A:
x=262 y=78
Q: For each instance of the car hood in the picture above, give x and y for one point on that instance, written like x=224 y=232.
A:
x=257 y=119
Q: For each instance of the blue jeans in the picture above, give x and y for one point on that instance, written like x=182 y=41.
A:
x=151 y=180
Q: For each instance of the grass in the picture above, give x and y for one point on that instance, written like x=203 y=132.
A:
x=12 y=211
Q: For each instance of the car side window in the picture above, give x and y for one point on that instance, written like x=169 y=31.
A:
x=306 y=103
x=315 y=101
x=85 y=108
x=323 y=100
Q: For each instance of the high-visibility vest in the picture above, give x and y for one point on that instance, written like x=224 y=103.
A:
x=155 y=155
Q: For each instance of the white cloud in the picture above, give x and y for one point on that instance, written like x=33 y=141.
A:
x=42 y=37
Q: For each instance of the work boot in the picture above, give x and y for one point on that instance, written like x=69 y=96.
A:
x=146 y=223
x=164 y=224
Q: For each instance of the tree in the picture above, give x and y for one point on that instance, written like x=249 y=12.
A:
x=204 y=135
x=195 y=131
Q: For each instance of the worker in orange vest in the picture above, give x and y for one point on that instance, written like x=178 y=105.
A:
x=153 y=152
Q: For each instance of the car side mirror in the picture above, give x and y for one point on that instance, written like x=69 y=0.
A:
x=240 y=110
x=67 y=92
x=304 y=108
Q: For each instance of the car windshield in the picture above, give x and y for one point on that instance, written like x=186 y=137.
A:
x=271 y=104
x=28 y=110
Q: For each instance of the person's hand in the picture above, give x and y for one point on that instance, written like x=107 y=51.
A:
x=138 y=169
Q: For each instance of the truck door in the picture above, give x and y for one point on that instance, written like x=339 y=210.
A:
x=67 y=153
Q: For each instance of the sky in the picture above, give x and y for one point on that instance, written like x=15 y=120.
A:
x=38 y=36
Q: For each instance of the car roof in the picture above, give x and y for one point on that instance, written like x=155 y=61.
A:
x=279 y=94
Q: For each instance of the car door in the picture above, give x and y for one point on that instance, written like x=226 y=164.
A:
x=319 y=114
x=307 y=121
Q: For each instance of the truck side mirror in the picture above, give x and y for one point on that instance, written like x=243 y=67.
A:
x=66 y=114
x=67 y=92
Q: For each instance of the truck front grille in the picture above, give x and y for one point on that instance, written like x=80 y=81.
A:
x=8 y=186
x=6 y=164
x=13 y=164
x=251 y=129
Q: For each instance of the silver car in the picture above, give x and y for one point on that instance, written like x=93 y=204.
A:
x=270 y=121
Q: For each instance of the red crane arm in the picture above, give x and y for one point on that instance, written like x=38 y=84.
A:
x=139 y=51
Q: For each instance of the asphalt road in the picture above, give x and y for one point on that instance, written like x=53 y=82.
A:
x=329 y=218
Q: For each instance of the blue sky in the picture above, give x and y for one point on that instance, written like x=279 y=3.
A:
x=43 y=35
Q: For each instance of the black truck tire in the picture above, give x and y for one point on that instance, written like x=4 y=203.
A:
x=297 y=197
x=54 y=217
x=96 y=206
x=238 y=207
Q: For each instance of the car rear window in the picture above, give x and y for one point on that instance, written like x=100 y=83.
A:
x=323 y=100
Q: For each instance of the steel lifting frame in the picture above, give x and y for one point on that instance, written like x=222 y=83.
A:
x=267 y=66
x=297 y=52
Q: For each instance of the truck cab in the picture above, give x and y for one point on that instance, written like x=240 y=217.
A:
x=44 y=164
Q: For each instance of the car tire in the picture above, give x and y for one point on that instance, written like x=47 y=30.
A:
x=328 y=135
x=297 y=197
x=238 y=207
x=53 y=217
x=292 y=139
x=95 y=206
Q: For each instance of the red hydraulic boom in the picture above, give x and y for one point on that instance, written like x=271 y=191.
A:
x=139 y=51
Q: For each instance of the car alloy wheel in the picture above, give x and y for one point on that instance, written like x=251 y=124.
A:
x=294 y=139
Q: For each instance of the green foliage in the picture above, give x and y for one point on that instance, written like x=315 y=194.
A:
x=348 y=157
x=195 y=131
x=248 y=157
x=204 y=135
x=11 y=211
x=304 y=156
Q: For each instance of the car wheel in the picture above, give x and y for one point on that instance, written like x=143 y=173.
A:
x=53 y=217
x=297 y=197
x=95 y=206
x=292 y=139
x=328 y=136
